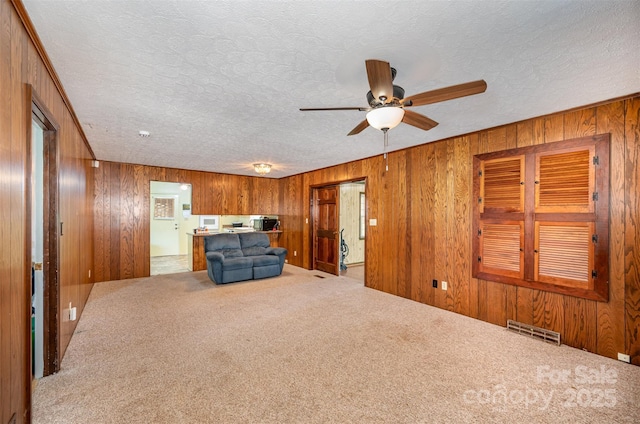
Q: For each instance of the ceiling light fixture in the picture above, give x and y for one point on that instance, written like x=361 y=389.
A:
x=386 y=117
x=262 y=168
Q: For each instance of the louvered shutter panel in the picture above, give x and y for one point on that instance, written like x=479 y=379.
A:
x=501 y=248
x=564 y=253
x=501 y=187
x=565 y=181
x=541 y=217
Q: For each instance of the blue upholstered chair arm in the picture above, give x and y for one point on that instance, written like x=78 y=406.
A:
x=214 y=266
x=276 y=251
x=215 y=256
x=280 y=252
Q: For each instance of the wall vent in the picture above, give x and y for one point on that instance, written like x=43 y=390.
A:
x=535 y=332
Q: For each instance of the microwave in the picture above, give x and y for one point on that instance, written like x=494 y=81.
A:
x=210 y=222
x=264 y=224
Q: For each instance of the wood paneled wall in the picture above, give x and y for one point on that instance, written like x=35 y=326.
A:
x=20 y=65
x=423 y=211
x=422 y=205
x=122 y=202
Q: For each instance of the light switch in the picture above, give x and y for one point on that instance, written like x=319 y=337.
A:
x=373 y=222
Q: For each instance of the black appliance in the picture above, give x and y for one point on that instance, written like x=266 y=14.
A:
x=264 y=224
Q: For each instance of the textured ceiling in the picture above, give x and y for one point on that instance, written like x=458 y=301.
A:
x=218 y=84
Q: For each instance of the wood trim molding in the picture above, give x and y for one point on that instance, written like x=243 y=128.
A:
x=35 y=39
x=51 y=246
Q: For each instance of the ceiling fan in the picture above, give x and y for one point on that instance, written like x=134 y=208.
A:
x=387 y=104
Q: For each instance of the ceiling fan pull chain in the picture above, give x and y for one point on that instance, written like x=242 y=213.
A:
x=386 y=144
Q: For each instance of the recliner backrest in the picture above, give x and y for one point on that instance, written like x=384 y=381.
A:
x=254 y=244
x=227 y=244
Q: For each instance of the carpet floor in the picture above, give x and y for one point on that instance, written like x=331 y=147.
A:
x=309 y=347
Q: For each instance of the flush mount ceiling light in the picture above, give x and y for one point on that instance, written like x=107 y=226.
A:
x=144 y=134
x=262 y=168
x=387 y=117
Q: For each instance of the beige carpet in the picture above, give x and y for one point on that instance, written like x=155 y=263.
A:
x=303 y=349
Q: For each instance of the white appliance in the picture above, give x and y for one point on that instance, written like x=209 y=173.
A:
x=211 y=222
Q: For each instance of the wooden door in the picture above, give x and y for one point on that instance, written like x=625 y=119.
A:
x=325 y=229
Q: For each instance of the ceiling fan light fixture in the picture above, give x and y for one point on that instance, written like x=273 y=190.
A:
x=385 y=117
x=262 y=168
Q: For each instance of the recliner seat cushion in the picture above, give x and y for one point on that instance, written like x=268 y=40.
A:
x=230 y=264
x=266 y=271
x=265 y=260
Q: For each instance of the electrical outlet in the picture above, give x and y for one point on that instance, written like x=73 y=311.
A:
x=444 y=285
x=624 y=358
x=435 y=283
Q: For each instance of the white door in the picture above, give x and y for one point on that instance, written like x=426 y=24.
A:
x=165 y=227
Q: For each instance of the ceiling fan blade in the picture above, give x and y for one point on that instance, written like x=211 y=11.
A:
x=358 y=129
x=417 y=120
x=380 y=80
x=447 y=93
x=361 y=109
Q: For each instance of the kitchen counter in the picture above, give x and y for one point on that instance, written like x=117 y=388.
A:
x=197 y=260
x=223 y=232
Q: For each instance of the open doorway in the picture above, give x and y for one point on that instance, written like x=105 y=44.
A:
x=338 y=228
x=352 y=229
x=43 y=238
x=170 y=220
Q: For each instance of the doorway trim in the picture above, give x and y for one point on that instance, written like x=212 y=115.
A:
x=313 y=215
x=51 y=232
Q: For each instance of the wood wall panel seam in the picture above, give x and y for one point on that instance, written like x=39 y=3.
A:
x=632 y=230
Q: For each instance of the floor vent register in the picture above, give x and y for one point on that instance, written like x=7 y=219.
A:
x=535 y=332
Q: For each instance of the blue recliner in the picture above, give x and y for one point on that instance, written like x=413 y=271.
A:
x=242 y=256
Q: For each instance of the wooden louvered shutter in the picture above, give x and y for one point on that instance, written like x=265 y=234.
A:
x=540 y=217
x=502 y=185
x=565 y=181
x=501 y=248
x=564 y=253
x=501 y=240
x=564 y=227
